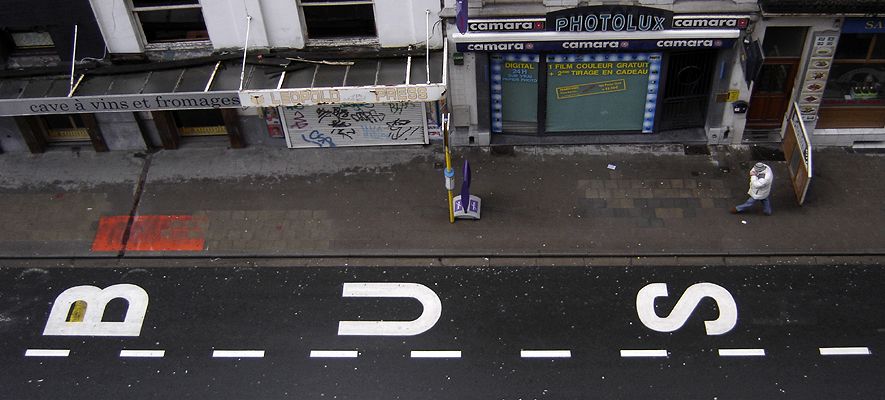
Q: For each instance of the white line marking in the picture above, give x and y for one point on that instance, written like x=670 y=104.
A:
x=143 y=353
x=46 y=353
x=643 y=353
x=334 y=354
x=545 y=353
x=238 y=353
x=844 y=351
x=436 y=354
x=741 y=352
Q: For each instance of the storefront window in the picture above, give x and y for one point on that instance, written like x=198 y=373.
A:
x=516 y=96
x=601 y=92
x=858 y=70
x=854 y=46
x=65 y=128
x=200 y=122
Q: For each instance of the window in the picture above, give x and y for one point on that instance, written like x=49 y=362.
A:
x=32 y=40
x=783 y=41
x=164 y=21
x=65 y=128
x=858 y=70
x=327 y=19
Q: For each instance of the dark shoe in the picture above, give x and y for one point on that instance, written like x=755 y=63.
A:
x=767 y=214
x=734 y=210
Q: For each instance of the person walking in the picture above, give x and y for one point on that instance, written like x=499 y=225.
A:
x=760 y=189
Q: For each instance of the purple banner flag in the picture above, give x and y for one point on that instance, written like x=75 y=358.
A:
x=461 y=15
x=465 y=185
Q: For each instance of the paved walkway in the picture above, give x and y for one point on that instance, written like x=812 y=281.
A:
x=544 y=201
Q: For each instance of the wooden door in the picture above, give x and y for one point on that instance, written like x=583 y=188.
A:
x=771 y=93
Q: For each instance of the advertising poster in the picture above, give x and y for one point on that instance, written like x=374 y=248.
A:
x=606 y=92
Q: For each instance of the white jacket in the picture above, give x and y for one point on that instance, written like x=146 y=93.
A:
x=760 y=188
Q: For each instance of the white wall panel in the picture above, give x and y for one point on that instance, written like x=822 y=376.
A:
x=402 y=23
x=118 y=26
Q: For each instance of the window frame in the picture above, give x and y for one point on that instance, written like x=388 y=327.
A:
x=334 y=41
x=196 y=43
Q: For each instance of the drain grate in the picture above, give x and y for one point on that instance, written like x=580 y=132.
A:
x=767 y=153
x=697 y=150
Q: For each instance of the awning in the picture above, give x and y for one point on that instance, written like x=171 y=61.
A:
x=823 y=7
x=385 y=80
x=595 y=41
x=216 y=85
x=205 y=86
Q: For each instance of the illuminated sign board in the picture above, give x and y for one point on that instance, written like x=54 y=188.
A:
x=571 y=45
x=611 y=19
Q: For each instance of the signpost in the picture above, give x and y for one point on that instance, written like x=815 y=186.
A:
x=449 y=172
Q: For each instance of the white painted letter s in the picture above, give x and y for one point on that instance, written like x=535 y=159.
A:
x=645 y=307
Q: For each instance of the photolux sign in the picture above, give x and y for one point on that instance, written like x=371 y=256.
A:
x=343 y=95
x=609 y=19
x=604 y=19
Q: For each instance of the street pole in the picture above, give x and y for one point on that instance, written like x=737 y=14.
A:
x=449 y=173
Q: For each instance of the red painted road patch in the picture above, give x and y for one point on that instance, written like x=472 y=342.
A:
x=151 y=233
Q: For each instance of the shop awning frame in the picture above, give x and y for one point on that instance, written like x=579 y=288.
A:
x=216 y=85
x=312 y=93
x=673 y=34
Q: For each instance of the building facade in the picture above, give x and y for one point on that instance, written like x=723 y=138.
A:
x=597 y=72
x=323 y=73
x=829 y=58
x=166 y=73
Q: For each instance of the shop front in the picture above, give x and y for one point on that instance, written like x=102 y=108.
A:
x=279 y=102
x=854 y=96
x=830 y=60
x=603 y=74
x=365 y=102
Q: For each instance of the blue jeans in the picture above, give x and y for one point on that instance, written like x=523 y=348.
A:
x=766 y=205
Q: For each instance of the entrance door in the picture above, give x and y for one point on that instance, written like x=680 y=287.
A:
x=782 y=48
x=686 y=90
x=771 y=93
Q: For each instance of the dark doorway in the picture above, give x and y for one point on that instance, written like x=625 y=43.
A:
x=686 y=90
x=773 y=86
x=771 y=94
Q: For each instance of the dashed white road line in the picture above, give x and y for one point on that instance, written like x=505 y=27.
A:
x=741 y=352
x=844 y=351
x=143 y=353
x=334 y=354
x=643 y=353
x=545 y=353
x=47 y=353
x=436 y=354
x=238 y=353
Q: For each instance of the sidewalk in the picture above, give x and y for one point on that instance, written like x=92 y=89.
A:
x=350 y=202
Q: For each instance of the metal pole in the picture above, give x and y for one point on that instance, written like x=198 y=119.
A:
x=450 y=173
x=73 y=59
x=427 y=44
x=245 y=49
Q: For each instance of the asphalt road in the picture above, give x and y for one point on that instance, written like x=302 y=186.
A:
x=784 y=332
